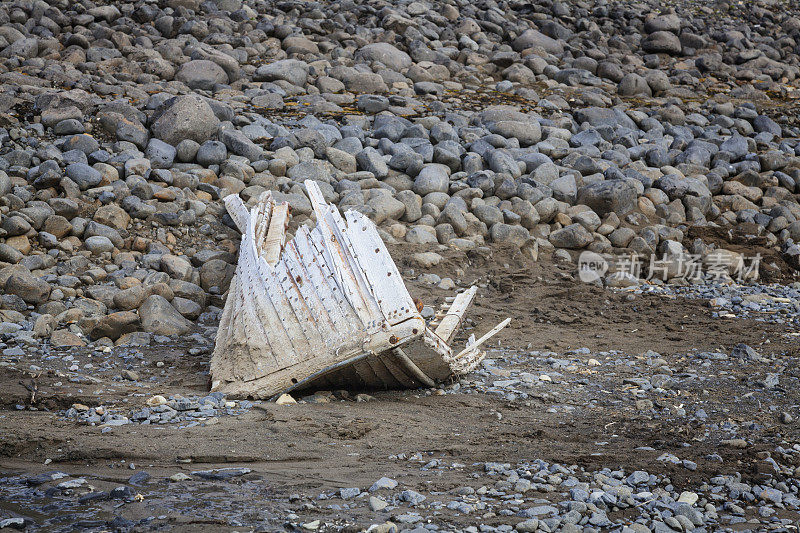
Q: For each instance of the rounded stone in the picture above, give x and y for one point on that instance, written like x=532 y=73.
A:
x=99 y=244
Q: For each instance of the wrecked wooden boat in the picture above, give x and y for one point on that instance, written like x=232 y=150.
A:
x=327 y=310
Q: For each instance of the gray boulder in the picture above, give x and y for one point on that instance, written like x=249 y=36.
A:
x=736 y=146
x=385 y=53
x=509 y=234
x=238 y=143
x=9 y=254
x=160 y=154
x=15 y=225
x=201 y=74
x=385 y=207
x=527 y=133
x=98 y=244
x=211 y=153
x=432 y=178
x=160 y=317
x=634 y=85
x=670 y=23
x=94 y=228
x=185 y=117
x=291 y=70
x=763 y=123
x=565 y=189
x=370 y=159
x=24 y=48
x=603 y=116
x=27 y=286
x=572 y=237
x=5 y=183
x=536 y=39
x=83 y=175
x=501 y=161
x=605 y=197
x=314 y=170
x=662 y=42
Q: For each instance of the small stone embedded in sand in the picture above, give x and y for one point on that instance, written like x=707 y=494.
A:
x=156 y=400
x=285 y=399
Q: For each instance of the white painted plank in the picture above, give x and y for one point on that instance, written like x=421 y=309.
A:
x=276 y=235
x=339 y=228
x=477 y=344
x=336 y=326
x=346 y=271
x=379 y=270
x=301 y=308
x=450 y=323
x=237 y=211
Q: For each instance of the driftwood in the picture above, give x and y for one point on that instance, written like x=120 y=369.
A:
x=328 y=309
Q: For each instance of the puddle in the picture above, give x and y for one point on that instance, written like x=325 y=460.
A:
x=100 y=505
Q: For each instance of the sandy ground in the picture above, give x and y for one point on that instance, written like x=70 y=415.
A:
x=584 y=415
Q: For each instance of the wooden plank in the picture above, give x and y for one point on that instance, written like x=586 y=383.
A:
x=347 y=273
x=451 y=322
x=340 y=327
x=309 y=310
x=276 y=236
x=280 y=326
x=260 y=216
x=334 y=294
x=237 y=211
x=384 y=379
x=272 y=340
x=397 y=371
x=477 y=344
x=354 y=272
x=410 y=367
x=379 y=270
x=294 y=329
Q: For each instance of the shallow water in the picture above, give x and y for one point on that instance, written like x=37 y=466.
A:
x=97 y=506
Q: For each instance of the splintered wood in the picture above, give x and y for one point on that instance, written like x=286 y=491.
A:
x=328 y=309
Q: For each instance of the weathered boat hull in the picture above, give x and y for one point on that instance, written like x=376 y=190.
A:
x=326 y=310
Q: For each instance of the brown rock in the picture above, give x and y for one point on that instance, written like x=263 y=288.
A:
x=161 y=318
x=20 y=243
x=176 y=267
x=113 y=216
x=163 y=290
x=25 y=285
x=43 y=327
x=127 y=282
x=131 y=298
x=137 y=338
x=63 y=338
x=115 y=325
x=165 y=195
x=57 y=225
